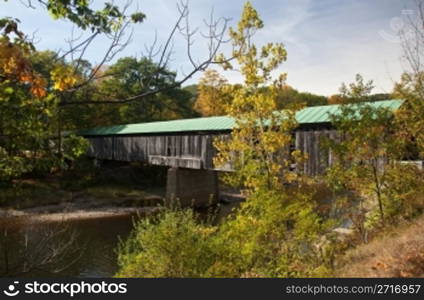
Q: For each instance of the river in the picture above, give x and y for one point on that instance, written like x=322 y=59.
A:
x=77 y=248
x=84 y=246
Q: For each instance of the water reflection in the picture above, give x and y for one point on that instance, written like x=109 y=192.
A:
x=77 y=248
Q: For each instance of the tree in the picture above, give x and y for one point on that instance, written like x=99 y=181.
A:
x=335 y=99
x=109 y=19
x=260 y=133
x=43 y=95
x=160 y=55
x=410 y=116
x=112 y=22
x=368 y=146
x=287 y=96
x=411 y=85
x=265 y=236
x=310 y=99
x=130 y=76
x=273 y=232
x=82 y=15
x=380 y=97
x=358 y=91
x=212 y=98
x=28 y=107
x=193 y=89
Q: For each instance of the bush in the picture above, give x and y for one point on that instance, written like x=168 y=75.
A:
x=398 y=251
x=404 y=192
x=273 y=234
x=172 y=244
x=11 y=166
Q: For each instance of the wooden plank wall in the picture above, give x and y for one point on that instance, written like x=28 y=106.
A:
x=311 y=143
x=194 y=151
x=101 y=147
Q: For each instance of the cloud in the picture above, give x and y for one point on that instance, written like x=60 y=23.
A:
x=328 y=41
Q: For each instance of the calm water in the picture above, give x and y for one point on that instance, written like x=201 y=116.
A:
x=76 y=248
x=83 y=248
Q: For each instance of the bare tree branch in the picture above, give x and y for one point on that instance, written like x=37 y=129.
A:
x=412 y=38
x=215 y=36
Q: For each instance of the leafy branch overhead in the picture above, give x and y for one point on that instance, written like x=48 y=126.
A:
x=161 y=56
x=44 y=93
x=79 y=12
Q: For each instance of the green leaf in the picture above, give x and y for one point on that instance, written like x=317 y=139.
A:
x=9 y=90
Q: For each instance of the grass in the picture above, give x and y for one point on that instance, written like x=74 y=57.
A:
x=114 y=191
x=397 y=252
x=28 y=193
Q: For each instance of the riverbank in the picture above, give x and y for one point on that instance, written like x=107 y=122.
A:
x=83 y=193
x=91 y=203
x=72 y=215
x=87 y=193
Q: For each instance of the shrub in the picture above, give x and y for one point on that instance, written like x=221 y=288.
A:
x=404 y=192
x=398 y=251
x=171 y=244
x=273 y=234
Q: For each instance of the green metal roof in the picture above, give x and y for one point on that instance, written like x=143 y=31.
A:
x=197 y=124
x=322 y=114
x=308 y=115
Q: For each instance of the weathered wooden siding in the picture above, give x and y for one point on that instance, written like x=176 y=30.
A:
x=196 y=151
x=311 y=143
x=101 y=147
x=193 y=151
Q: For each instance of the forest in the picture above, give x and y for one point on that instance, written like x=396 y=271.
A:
x=288 y=224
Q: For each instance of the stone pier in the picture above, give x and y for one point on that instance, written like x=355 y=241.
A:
x=191 y=187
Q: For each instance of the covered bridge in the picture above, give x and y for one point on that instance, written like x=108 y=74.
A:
x=187 y=145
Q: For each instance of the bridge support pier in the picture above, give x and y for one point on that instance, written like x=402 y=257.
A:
x=190 y=187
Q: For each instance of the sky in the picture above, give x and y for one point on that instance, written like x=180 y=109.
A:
x=327 y=41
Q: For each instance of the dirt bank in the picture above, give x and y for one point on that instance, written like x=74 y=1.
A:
x=93 y=214
x=398 y=252
x=97 y=213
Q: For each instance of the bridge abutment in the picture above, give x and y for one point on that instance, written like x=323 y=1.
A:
x=191 y=187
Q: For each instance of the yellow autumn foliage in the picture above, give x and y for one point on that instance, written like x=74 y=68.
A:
x=259 y=146
x=15 y=66
x=213 y=96
x=63 y=77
